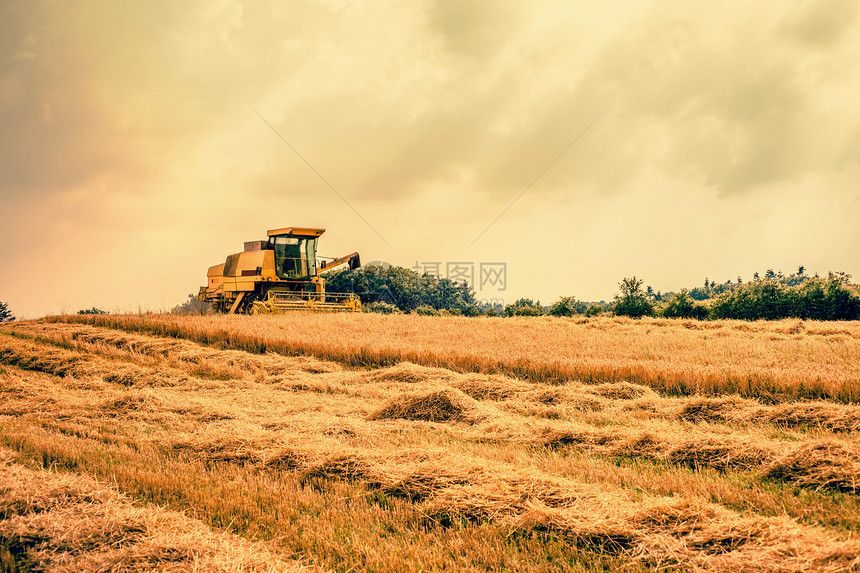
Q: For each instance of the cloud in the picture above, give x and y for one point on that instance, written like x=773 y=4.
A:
x=55 y=135
x=820 y=22
x=471 y=29
x=134 y=126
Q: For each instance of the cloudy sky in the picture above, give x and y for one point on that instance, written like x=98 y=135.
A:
x=142 y=142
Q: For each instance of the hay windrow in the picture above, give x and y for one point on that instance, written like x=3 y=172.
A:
x=734 y=409
x=409 y=373
x=195 y=359
x=58 y=523
x=821 y=465
x=445 y=405
x=125 y=404
x=621 y=390
x=719 y=454
x=678 y=531
x=60 y=362
x=490 y=387
x=834 y=417
x=722 y=409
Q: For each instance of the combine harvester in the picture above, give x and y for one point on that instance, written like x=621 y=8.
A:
x=278 y=275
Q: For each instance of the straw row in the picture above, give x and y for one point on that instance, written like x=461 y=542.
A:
x=60 y=522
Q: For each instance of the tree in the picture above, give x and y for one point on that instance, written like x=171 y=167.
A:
x=839 y=278
x=633 y=302
x=5 y=314
x=800 y=270
x=814 y=299
x=403 y=288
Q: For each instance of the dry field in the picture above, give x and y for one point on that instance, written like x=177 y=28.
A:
x=411 y=443
x=770 y=361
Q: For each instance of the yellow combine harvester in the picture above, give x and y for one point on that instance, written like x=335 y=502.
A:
x=277 y=275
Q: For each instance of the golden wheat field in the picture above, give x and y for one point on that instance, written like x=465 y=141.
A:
x=408 y=443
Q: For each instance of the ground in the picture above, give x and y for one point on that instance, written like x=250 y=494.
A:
x=420 y=443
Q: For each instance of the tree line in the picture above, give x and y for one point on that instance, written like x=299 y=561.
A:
x=773 y=297
x=770 y=296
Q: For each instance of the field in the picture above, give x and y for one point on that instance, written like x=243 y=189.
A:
x=380 y=443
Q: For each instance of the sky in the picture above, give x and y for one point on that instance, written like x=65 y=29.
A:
x=563 y=145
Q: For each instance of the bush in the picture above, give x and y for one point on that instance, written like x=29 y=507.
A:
x=427 y=311
x=471 y=310
x=92 y=310
x=529 y=311
x=593 y=310
x=381 y=308
x=568 y=306
x=682 y=306
x=524 y=307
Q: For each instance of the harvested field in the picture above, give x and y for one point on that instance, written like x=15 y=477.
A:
x=279 y=459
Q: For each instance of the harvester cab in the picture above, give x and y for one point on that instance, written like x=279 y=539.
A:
x=295 y=252
x=278 y=274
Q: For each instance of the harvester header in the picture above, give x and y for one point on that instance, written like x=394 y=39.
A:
x=278 y=274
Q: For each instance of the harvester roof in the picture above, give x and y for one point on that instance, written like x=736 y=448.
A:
x=298 y=231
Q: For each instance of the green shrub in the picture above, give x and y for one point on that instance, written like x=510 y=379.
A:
x=682 y=306
x=593 y=310
x=568 y=306
x=471 y=310
x=524 y=307
x=381 y=308
x=529 y=311
x=92 y=310
x=427 y=311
